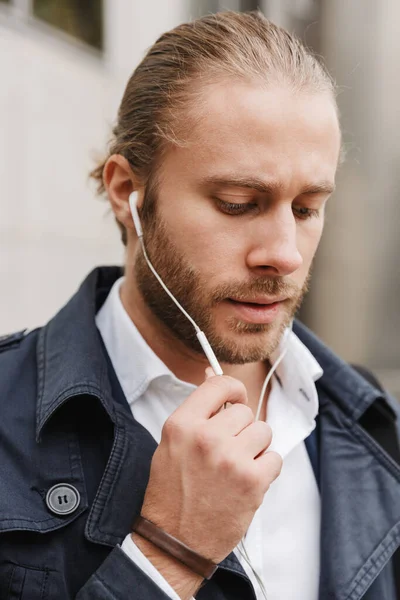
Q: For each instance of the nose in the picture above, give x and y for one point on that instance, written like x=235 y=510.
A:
x=273 y=246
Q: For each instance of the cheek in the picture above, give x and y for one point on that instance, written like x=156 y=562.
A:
x=205 y=244
x=308 y=240
x=214 y=253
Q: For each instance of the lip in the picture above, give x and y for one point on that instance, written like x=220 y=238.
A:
x=258 y=300
x=259 y=312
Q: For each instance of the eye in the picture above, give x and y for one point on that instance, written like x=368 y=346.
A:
x=233 y=208
x=305 y=213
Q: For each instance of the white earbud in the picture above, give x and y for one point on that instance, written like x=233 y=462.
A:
x=135 y=215
x=208 y=351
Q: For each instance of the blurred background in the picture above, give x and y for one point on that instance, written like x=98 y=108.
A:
x=63 y=68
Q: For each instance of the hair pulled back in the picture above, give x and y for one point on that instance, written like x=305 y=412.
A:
x=158 y=102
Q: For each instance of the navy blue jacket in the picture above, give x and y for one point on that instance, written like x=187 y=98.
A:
x=63 y=419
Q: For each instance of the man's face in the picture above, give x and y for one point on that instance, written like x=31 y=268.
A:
x=238 y=217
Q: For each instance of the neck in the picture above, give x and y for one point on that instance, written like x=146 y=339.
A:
x=186 y=364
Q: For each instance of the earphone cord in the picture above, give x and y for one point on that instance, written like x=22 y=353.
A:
x=204 y=343
x=217 y=369
x=245 y=556
x=267 y=380
x=160 y=281
x=241 y=547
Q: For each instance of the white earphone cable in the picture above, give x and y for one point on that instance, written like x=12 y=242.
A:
x=204 y=343
x=244 y=554
x=266 y=382
x=160 y=281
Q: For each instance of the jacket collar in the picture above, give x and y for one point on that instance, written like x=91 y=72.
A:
x=352 y=393
x=76 y=365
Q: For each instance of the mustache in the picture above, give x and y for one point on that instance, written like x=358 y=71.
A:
x=271 y=286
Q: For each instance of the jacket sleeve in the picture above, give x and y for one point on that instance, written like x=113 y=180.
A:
x=135 y=554
x=119 y=578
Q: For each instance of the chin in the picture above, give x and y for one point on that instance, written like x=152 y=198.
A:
x=248 y=343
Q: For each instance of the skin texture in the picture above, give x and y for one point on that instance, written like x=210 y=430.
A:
x=279 y=150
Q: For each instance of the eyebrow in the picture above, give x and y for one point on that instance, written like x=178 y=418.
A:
x=266 y=187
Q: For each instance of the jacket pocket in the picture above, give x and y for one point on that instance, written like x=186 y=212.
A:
x=22 y=583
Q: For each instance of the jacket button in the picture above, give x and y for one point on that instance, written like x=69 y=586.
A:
x=63 y=499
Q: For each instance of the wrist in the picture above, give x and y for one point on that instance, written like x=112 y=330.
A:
x=182 y=579
x=174 y=547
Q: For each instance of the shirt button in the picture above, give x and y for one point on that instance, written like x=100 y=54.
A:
x=63 y=499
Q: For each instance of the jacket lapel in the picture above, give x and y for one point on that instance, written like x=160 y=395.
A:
x=127 y=472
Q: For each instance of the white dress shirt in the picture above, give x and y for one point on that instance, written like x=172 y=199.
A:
x=282 y=541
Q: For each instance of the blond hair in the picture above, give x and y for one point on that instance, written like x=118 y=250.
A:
x=159 y=95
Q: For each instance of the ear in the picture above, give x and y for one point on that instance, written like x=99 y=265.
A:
x=120 y=181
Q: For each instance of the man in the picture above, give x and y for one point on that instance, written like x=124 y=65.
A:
x=228 y=139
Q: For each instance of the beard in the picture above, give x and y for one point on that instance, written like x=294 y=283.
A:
x=241 y=342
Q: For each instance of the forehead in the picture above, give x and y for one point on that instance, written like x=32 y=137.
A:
x=272 y=133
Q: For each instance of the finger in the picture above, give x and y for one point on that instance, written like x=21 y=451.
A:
x=254 y=439
x=211 y=395
x=269 y=466
x=232 y=420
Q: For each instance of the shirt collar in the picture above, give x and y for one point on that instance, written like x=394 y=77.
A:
x=123 y=341
x=293 y=403
x=298 y=372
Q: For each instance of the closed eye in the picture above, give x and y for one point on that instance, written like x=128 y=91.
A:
x=304 y=213
x=234 y=208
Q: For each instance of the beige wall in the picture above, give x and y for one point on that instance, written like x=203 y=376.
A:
x=356 y=291
x=57 y=103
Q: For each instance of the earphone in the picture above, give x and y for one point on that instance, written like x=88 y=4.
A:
x=204 y=343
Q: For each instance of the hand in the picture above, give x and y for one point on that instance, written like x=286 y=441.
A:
x=210 y=472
